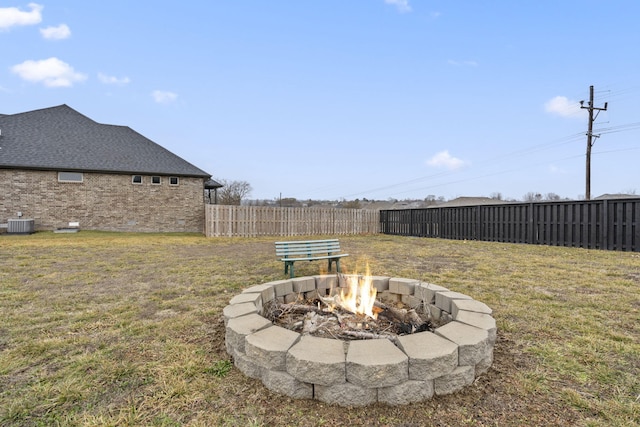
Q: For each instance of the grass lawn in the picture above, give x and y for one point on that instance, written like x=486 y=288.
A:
x=119 y=329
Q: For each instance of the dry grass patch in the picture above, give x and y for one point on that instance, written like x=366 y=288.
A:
x=126 y=329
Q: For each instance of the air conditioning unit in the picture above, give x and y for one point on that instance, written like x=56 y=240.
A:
x=20 y=226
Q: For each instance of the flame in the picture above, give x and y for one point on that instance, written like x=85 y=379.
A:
x=359 y=296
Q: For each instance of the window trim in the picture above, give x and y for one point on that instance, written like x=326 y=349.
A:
x=153 y=178
x=73 y=181
x=171 y=178
x=133 y=179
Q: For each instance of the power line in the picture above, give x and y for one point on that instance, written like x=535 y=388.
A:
x=620 y=128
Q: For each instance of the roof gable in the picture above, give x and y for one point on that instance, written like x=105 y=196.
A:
x=60 y=138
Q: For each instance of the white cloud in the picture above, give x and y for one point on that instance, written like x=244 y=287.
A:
x=562 y=106
x=164 y=97
x=402 y=5
x=112 y=80
x=50 y=72
x=12 y=16
x=446 y=160
x=60 y=32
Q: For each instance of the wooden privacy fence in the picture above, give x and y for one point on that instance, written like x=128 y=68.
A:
x=252 y=221
x=596 y=224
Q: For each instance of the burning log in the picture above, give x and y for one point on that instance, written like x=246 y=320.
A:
x=391 y=313
x=409 y=320
x=414 y=318
x=277 y=309
x=302 y=308
x=310 y=323
x=363 y=335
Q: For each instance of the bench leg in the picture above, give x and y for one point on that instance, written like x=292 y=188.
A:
x=337 y=261
x=288 y=268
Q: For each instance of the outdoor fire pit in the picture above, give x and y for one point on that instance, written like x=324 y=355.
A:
x=372 y=366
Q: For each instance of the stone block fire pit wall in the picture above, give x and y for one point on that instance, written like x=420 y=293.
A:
x=362 y=372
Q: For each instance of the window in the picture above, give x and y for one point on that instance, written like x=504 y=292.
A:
x=136 y=179
x=155 y=180
x=173 y=180
x=70 y=177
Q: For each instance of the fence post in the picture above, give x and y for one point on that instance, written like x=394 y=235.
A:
x=478 y=231
x=532 y=222
x=605 y=225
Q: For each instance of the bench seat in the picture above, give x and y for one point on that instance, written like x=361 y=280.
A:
x=309 y=250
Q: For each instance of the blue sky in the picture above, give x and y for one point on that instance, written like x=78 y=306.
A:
x=336 y=99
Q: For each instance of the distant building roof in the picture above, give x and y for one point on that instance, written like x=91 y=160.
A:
x=60 y=138
x=469 y=201
x=617 y=196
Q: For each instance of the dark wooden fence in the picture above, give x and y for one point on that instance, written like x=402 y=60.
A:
x=596 y=224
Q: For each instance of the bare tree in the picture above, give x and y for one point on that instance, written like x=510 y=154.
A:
x=532 y=197
x=232 y=192
x=353 y=204
x=289 y=202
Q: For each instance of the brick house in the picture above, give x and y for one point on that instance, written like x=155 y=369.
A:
x=59 y=166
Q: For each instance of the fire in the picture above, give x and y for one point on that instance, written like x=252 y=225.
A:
x=359 y=296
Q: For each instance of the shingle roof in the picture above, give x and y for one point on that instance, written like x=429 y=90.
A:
x=469 y=201
x=616 y=196
x=212 y=183
x=60 y=138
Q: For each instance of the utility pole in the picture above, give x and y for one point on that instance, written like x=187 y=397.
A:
x=590 y=137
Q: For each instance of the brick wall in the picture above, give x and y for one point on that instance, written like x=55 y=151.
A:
x=108 y=202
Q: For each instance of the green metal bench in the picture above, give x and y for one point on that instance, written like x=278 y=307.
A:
x=309 y=250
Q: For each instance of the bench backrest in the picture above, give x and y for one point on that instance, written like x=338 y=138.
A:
x=307 y=248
